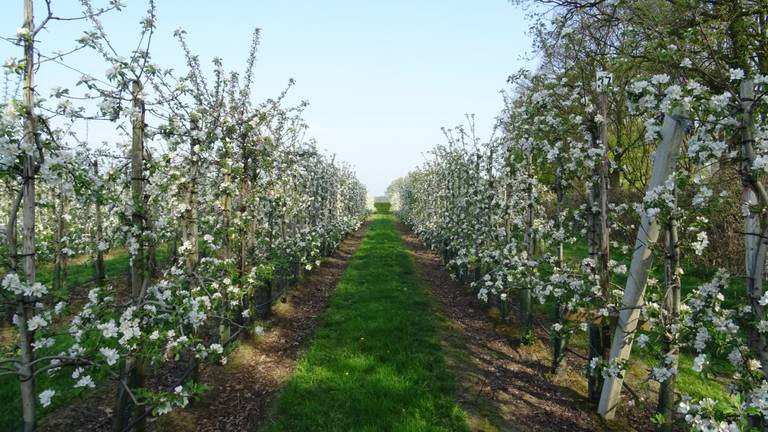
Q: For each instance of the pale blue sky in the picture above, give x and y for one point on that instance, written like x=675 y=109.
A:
x=381 y=77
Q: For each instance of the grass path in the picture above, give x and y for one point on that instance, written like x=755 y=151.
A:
x=375 y=363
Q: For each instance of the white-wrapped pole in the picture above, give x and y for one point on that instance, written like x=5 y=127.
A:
x=665 y=160
x=26 y=367
x=754 y=223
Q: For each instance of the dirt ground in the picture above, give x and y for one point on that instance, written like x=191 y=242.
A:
x=240 y=393
x=504 y=386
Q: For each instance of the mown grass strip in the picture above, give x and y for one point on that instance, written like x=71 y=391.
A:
x=375 y=363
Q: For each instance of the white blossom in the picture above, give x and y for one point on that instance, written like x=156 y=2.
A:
x=110 y=355
x=736 y=74
x=699 y=362
x=702 y=241
x=46 y=396
x=85 y=381
x=642 y=340
x=36 y=322
x=22 y=33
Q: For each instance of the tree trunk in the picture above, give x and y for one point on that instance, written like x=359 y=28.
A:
x=594 y=349
x=173 y=246
x=671 y=312
x=226 y=205
x=101 y=273
x=60 y=260
x=152 y=265
x=599 y=335
x=133 y=369
x=11 y=235
x=242 y=249
x=190 y=227
x=559 y=343
x=530 y=245
x=224 y=327
x=189 y=230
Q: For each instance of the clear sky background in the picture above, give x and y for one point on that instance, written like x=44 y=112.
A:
x=381 y=77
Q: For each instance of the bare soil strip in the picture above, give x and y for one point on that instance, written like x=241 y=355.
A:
x=502 y=387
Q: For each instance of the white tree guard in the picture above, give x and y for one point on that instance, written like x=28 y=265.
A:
x=665 y=161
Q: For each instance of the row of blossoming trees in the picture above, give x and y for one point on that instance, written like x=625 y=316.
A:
x=233 y=193
x=642 y=140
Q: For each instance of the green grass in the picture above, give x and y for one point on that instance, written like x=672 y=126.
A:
x=375 y=363
x=116 y=264
x=698 y=385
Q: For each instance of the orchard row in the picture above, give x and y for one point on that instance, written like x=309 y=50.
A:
x=621 y=175
x=230 y=192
